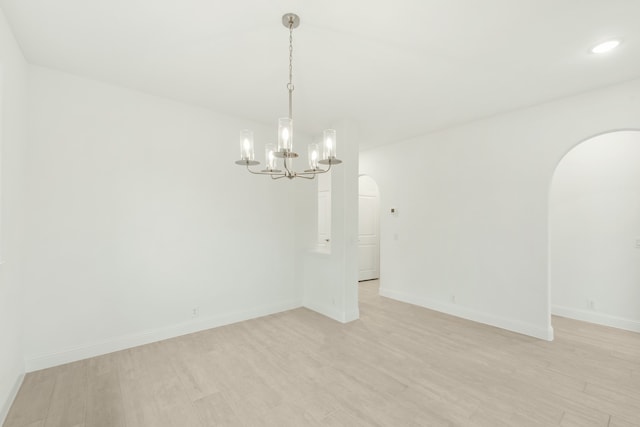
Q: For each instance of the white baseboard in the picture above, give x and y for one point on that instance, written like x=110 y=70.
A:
x=4 y=411
x=597 y=318
x=333 y=313
x=133 y=340
x=473 y=315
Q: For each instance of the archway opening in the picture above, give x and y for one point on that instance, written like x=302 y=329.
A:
x=594 y=232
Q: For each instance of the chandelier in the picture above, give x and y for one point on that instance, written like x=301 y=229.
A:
x=284 y=149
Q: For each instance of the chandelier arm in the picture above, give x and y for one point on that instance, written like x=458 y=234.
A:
x=262 y=173
x=318 y=171
x=304 y=175
x=253 y=172
x=274 y=176
x=324 y=170
x=312 y=174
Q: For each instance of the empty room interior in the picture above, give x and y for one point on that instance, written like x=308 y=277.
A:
x=329 y=213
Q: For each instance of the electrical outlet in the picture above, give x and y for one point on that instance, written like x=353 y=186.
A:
x=592 y=304
x=195 y=312
x=453 y=299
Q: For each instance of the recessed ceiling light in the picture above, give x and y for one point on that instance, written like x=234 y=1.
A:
x=606 y=46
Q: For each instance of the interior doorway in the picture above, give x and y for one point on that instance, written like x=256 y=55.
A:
x=368 y=229
x=594 y=232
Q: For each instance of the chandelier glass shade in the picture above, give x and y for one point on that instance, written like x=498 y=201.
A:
x=325 y=155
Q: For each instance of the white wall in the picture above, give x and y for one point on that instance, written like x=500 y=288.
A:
x=594 y=220
x=472 y=206
x=330 y=280
x=13 y=102
x=137 y=215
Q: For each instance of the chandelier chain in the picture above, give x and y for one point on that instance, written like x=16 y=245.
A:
x=290 y=85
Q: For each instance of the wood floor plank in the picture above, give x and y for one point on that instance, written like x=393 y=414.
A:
x=617 y=421
x=69 y=397
x=214 y=410
x=572 y=419
x=399 y=365
x=104 y=396
x=34 y=397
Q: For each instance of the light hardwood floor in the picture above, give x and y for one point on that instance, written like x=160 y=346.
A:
x=399 y=365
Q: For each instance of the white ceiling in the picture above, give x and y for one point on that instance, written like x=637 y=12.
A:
x=398 y=68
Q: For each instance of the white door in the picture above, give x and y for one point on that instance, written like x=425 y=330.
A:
x=368 y=229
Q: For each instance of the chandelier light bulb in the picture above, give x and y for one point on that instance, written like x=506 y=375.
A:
x=313 y=156
x=329 y=144
x=269 y=156
x=285 y=133
x=246 y=145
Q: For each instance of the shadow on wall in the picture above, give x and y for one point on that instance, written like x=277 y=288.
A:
x=594 y=232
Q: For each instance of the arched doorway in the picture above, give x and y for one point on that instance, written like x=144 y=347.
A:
x=594 y=232
x=368 y=229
